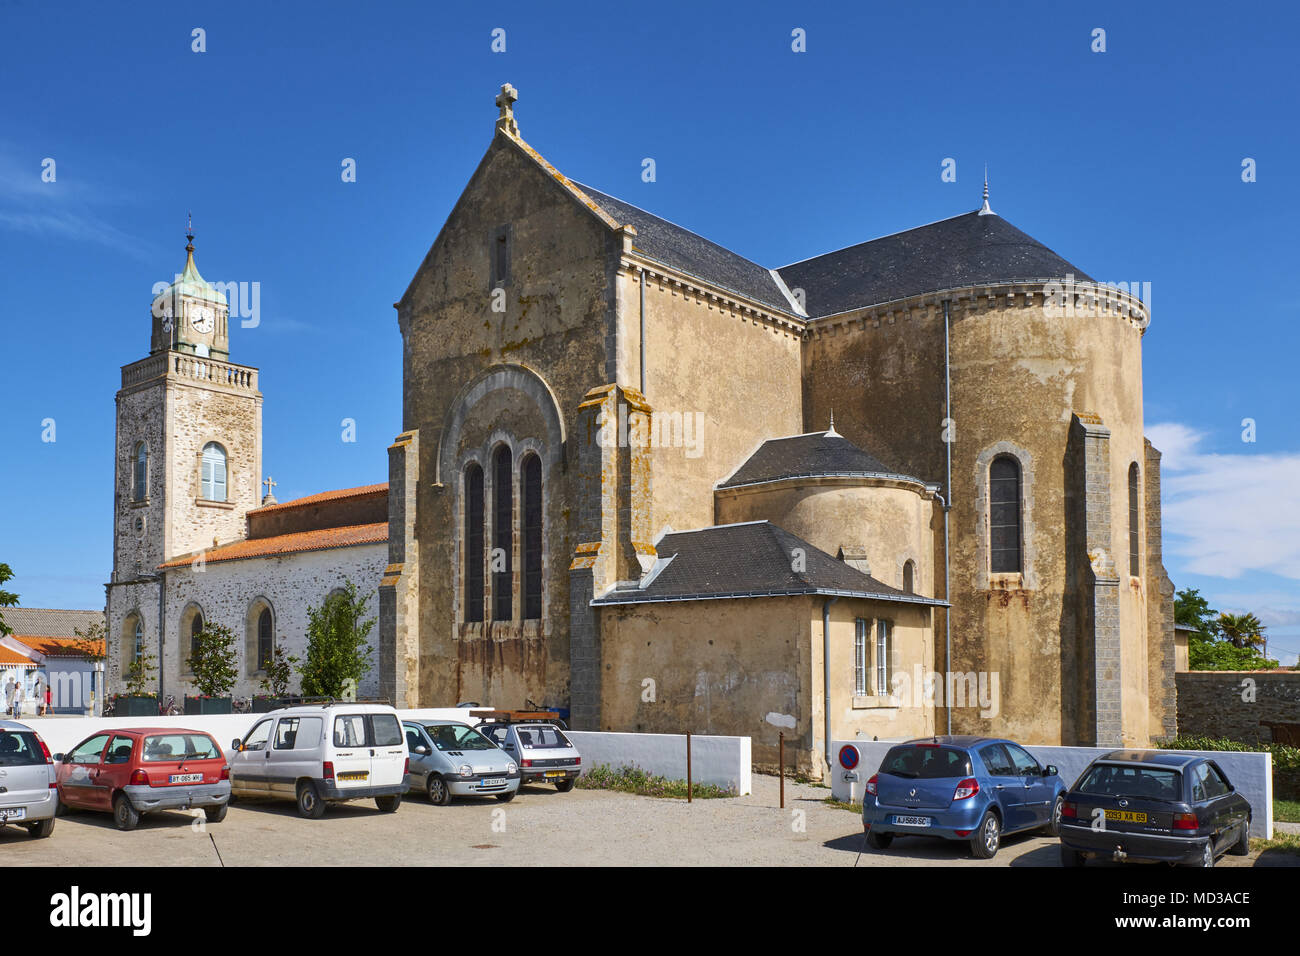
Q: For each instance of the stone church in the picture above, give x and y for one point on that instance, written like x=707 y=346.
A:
x=887 y=490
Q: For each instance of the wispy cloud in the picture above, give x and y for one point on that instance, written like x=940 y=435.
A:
x=1228 y=515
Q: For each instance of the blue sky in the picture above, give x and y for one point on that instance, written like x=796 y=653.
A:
x=1127 y=162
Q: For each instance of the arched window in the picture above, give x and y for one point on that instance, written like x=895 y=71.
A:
x=909 y=577
x=503 y=517
x=214 y=472
x=1134 y=562
x=531 y=506
x=196 y=627
x=1004 y=515
x=132 y=640
x=137 y=650
x=265 y=639
x=473 y=543
x=140 y=489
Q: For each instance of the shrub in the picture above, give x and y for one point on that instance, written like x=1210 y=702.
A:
x=214 y=662
x=337 y=653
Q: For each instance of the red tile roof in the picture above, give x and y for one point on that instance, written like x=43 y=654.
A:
x=9 y=657
x=299 y=541
x=323 y=496
x=60 y=646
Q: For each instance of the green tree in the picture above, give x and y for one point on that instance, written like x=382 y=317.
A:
x=1241 y=630
x=279 y=672
x=92 y=643
x=7 y=598
x=1192 y=610
x=336 y=644
x=214 y=661
x=140 y=675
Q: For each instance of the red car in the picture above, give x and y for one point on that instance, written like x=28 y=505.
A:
x=139 y=770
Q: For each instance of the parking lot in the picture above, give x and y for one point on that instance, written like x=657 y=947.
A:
x=539 y=828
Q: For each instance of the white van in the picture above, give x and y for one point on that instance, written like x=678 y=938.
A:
x=322 y=754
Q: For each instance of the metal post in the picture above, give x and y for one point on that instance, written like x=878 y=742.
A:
x=781 y=763
x=688 y=768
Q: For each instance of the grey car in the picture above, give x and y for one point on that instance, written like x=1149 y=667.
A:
x=451 y=759
x=544 y=753
x=28 y=797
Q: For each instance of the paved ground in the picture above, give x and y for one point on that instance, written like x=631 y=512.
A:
x=540 y=827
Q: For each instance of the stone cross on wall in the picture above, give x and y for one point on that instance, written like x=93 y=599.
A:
x=505 y=100
x=270 y=483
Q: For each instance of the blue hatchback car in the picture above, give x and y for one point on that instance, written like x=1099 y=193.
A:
x=961 y=788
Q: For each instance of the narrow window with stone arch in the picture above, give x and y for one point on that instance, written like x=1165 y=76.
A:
x=1004 y=515
x=132 y=641
x=473 y=543
x=140 y=484
x=191 y=626
x=909 y=577
x=214 y=472
x=260 y=647
x=1134 y=539
x=530 y=492
x=503 y=535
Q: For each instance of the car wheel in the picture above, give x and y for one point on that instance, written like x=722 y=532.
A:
x=389 y=804
x=879 y=841
x=507 y=796
x=1072 y=858
x=1242 y=846
x=215 y=814
x=124 y=815
x=988 y=836
x=41 y=830
x=1054 y=827
x=1207 y=854
x=439 y=792
x=310 y=804
x=564 y=786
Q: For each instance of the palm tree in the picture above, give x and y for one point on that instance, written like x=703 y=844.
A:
x=1241 y=630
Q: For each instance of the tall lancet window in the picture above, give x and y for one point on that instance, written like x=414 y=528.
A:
x=473 y=543
x=1004 y=515
x=531 y=506
x=140 y=491
x=1134 y=558
x=214 y=472
x=503 y=518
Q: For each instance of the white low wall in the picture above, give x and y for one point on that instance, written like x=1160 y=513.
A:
x=722 y=761
x=1251 y=773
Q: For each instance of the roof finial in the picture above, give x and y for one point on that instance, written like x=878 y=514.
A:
x=506 y=100
x=189 y=231
x=831 y=432
x=985 y=210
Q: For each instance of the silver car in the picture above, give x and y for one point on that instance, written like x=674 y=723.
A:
x=544 y=753
x=451 y=759
x=28 y=796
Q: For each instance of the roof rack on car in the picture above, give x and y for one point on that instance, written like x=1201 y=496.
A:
x=308 y=701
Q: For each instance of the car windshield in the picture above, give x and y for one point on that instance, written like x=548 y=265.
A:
x=457 y=737
x=538 y=736
x=173 y=747
x=926 y=762
x=1146 y=783
x=19 y=749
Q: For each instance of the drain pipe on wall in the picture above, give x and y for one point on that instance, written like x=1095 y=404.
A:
x=642 y=273
x=947 y=504
x=826 y=677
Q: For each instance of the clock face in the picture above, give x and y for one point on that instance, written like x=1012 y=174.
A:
x=202 y=321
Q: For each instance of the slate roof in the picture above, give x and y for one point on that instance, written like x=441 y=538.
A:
x=754 y=559
x=49 y=622
x=684 y=250
x=818 y=454
x=965 y=250
x=320 y=540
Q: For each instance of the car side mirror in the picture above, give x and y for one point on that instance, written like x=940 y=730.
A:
x=58 y=758
x=422 y=750
x=1051 y=771
x=236 y=745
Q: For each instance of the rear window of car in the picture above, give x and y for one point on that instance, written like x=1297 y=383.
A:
x=173 y=747
x=917 y=762
x=1147 y=783
x=19 y=749
x=367 y=730
x=541 y=737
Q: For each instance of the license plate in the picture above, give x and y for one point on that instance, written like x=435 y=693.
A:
x=492 y=781
x=185 y=778
x=17 y=813
x=555 y=773
x=354 y=775
x=911 y=821
x=1126 y=816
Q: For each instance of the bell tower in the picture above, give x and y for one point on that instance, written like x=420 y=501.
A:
x=191 y=315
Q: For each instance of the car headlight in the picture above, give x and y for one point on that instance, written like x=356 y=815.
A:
x=466 y=770
x=511 y=768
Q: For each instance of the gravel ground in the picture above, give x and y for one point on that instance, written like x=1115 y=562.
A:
x=541 y=827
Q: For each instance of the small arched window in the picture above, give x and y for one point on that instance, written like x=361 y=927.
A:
x=503 y=518
x=473 y=543
x=137 y=651
x=1134 y=559
x=531 y=505
x=214 y=472
x=196 y=628
x=1004 y=515
x=132 y=641
x=909 y=577
x=140 y=485
x=265 y=641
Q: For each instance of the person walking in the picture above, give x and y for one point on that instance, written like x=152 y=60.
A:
x=9 y=695
x=49 y=698
x=18 y=700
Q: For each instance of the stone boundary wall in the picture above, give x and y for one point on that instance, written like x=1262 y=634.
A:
x=1232 y=703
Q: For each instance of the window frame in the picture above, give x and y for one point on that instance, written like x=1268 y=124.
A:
x=1134 y=521
x=532 y=498
x=998 y=563
x=475 y=540
x=140 y=473
x=861 y=668
x=884 y=641
x=503 y=532
x=208 y=483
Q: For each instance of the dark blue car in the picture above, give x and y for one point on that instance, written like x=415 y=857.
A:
x=972 y=789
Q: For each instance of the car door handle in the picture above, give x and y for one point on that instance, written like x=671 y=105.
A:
x=999 y=787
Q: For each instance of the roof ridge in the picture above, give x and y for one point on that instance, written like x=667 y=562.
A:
x=887 y=235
